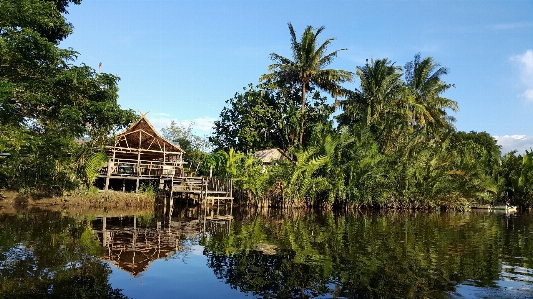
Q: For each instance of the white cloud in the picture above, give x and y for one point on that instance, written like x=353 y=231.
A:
x=520 y=143
x=204 y=124
x=525 y=62
x=528 y=94
x=506 y=26
x=201 y=126
x=197 y=250
x=161 y=114
x=160 y=122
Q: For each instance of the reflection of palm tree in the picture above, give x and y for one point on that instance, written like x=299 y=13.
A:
x=307 y=67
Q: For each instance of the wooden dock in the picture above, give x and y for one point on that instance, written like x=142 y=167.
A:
x=199 y=189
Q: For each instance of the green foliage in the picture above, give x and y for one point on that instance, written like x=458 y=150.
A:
x=261 y=118
x=148 y=189
x=48 y=255
x=92 y=167
x=216 y=163
x=46 y=101
x=364 y=169
x=374 y=100
x=253 y=178
x=395 y=144
x=307 y=69
x=88 y=243
x=195 y=146
x=361 y=255
x=515 y=178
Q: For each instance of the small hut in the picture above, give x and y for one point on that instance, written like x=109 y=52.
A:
x=140 y=153
x=271 y=155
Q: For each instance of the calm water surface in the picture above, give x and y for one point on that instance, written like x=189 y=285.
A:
x=194 y=253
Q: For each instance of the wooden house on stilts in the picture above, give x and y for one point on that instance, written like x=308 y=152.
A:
x=140 y=155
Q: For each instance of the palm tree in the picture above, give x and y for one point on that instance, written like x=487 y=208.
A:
x=307 y=67
x=425 y=86
x=375 y=103
x=380 y=86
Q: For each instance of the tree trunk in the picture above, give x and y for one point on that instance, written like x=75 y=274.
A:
x=303 y=109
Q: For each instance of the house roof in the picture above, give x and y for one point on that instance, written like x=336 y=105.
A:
x=142 y=136
x=270 y=155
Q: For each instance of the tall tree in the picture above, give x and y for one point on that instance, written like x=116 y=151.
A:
x=307 y=68
x=424 y=100
x=375 y=103
x=47 y=101
x=195 y=147
x=380 y=87
x=260 y=118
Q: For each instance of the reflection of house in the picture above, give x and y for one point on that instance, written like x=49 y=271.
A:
x=133 y=248
x=271 y=155
x=133 y=243
x=141 y=154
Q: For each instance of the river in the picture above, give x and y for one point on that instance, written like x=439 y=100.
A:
x=199 y=253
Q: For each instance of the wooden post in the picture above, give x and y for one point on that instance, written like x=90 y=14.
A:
x=165 y=205
x=230 y=188
x=171 y=190
x=104 y=232
x=134 y=230
x=110 y=165
x=204 y=191
x=108 y=174
x=282 y=196
x=164 y=158
x=138 y=168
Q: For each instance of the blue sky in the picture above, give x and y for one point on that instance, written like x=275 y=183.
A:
x=181 y=60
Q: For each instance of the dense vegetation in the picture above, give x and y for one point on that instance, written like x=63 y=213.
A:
x=390 y=142
x=55 y=115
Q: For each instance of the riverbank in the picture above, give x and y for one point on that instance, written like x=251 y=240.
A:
x=101 y=199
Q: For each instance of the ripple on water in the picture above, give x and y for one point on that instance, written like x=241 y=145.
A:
x=515 y=282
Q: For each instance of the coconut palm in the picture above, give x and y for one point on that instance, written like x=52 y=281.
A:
x=307 y=68
x=380 y=86
x=375 y=102
x=425 y=86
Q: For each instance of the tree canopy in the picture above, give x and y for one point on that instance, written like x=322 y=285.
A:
x=47 y=101
x=261 y=117
x=307 y=68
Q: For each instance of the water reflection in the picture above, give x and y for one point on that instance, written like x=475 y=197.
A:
x=132 y=243
x=45 y=255
x=266 y=254
x=377 y=256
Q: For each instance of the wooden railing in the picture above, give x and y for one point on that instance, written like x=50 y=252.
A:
x=193 y=184
x=210 y=189
x=131 y=167
x=220 y=185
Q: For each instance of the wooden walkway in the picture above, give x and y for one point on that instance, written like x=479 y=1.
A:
x=199 y=189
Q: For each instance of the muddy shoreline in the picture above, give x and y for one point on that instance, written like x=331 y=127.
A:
x=108 y=202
